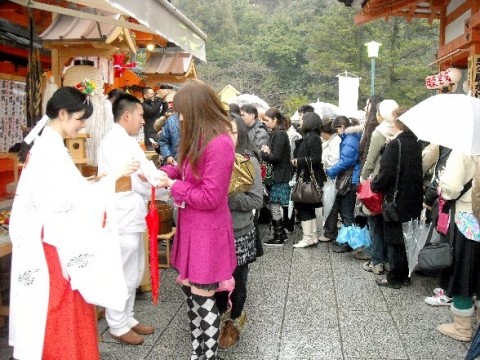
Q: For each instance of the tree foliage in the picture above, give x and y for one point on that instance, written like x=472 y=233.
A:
x=289 y=51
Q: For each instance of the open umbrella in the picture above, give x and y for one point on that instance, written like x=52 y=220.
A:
x=451 y=120
x=153 y=223
x=322 y=109
x=252 y=99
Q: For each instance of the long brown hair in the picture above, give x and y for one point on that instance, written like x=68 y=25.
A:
x=204 y=118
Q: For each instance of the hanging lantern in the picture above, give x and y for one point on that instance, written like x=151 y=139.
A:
x=83 y=69
x=443 y=79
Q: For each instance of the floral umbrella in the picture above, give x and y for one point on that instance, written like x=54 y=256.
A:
x=153 y=223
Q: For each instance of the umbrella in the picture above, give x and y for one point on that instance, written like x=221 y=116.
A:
x=153 y=223
x=450 y=120
x=322 y=109
x=415 y=234
x=326 y=109
x=251 y=99
x=474 y=351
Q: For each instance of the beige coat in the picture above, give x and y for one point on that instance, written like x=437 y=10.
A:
x=476 y=190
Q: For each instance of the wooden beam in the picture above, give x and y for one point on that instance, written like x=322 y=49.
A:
x=473 y=21
x=461 y=42
x=21 y=53
x=457 y=12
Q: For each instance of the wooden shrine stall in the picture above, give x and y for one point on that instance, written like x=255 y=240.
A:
x=459 y=37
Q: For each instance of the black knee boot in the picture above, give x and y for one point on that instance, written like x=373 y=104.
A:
x=279 y=234
x=209 y=319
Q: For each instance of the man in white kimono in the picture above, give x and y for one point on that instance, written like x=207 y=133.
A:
x=131 y=195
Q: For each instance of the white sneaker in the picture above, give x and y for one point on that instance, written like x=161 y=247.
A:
x=436 y=291
x=439 y=299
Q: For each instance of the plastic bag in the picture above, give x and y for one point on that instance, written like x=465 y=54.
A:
x=415 y=234
x=354 y=236
x=329 y=195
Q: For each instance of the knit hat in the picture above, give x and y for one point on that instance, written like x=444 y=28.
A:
x=386 y=109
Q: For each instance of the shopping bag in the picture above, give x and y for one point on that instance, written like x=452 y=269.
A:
x=343 y=236
x=329 y=195
x=359 y=237
x=371 y=200
x=415 y=234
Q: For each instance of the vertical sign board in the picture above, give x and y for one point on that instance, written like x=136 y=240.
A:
x=474 y=75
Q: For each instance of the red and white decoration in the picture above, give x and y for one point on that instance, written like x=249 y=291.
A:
x=443 y=79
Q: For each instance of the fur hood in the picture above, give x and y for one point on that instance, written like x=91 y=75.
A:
x=355 y=129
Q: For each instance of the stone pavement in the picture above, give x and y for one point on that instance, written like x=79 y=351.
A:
x=302 y=304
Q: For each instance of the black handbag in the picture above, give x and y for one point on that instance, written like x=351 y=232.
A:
x=343 y=181
x=389 y=209
x=307 y=190
x=435 y=257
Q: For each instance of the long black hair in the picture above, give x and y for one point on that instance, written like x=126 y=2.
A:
x=370 y=126
x=70 y=99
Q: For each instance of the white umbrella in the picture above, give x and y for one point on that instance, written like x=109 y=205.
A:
x=326 y=109
x=251 y=99
x=450 y=120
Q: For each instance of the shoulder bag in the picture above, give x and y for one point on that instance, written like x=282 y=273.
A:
x=242 y=175
x=343 y=181
x=307 y=190
x=389 y=209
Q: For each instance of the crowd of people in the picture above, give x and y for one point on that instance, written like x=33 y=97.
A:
x=217 y=234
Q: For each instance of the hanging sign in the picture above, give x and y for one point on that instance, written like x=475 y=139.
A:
x=443 y=79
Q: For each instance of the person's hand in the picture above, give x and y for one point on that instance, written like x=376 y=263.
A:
x=128 y=169
x=155 y=144
x=294 y=162
x=170 y=161
x=265 y=149
x=142 y=177
x=427 y=207
x=161 y=94
x=163 y=180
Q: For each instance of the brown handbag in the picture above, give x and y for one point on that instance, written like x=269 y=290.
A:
x=343 y=181
x=307 y=190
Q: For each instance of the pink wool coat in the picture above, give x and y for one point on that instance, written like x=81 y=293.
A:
x=204 y=246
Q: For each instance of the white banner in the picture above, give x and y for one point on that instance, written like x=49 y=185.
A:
x=348 y=93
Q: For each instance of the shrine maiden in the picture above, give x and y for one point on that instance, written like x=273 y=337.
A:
x=65 y=249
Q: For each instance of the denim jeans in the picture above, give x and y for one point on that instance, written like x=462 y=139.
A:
x=347 y=206
x=378 y=249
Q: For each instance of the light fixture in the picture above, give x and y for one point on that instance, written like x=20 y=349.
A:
x=150 y=47
x=372 y=49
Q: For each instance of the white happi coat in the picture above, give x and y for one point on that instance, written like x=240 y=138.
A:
x=54 y=198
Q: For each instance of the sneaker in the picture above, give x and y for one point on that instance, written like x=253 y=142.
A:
x=386 y=267
x=439 y=299
x=360 y=255
x=368 y=266
x=324 y=239
x=378 y=269
x=274 y=242
x=437 y=291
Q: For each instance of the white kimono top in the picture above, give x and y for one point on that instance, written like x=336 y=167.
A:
x=52 y=195
x=116 y=149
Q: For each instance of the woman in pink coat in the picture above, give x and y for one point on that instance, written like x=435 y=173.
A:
x=204 y=248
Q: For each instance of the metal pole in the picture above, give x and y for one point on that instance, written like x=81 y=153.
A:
x=372 y=78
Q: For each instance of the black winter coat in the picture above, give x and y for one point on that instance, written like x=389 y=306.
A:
x=310 y=147
x=410 y=184
x=279 y=156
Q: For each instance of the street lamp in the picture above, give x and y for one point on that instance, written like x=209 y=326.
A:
x=372 y=49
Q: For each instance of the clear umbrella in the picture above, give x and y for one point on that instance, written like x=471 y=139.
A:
x=251 y=99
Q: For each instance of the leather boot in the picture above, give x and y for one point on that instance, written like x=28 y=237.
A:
x=461 y=329
x=289 y=223
x=279 y=234
x=229 y=335
x=306 y=239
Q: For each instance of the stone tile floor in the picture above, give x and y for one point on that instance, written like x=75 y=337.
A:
x=305 y=304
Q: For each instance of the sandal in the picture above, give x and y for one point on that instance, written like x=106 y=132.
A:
x=384 y=282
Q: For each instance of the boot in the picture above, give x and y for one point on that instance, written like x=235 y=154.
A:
x=461 y=329
x=279 y=234
x=195 y=330
x=289 y=223
x=208 y=317
x=229 y=335
x=309 y=238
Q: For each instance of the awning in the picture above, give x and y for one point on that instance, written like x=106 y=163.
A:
x=169 y=67
x=154 y=16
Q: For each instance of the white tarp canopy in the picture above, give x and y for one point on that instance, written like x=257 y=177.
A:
x=155 y=17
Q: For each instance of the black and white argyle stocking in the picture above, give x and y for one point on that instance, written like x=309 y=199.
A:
x=208 y=317
x=195 y=329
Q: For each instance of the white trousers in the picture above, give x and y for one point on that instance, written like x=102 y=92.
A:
x=133 y=259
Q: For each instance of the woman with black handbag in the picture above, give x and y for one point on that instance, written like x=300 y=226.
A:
x=307 y=159
x=400 y=179
x=347 y=169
